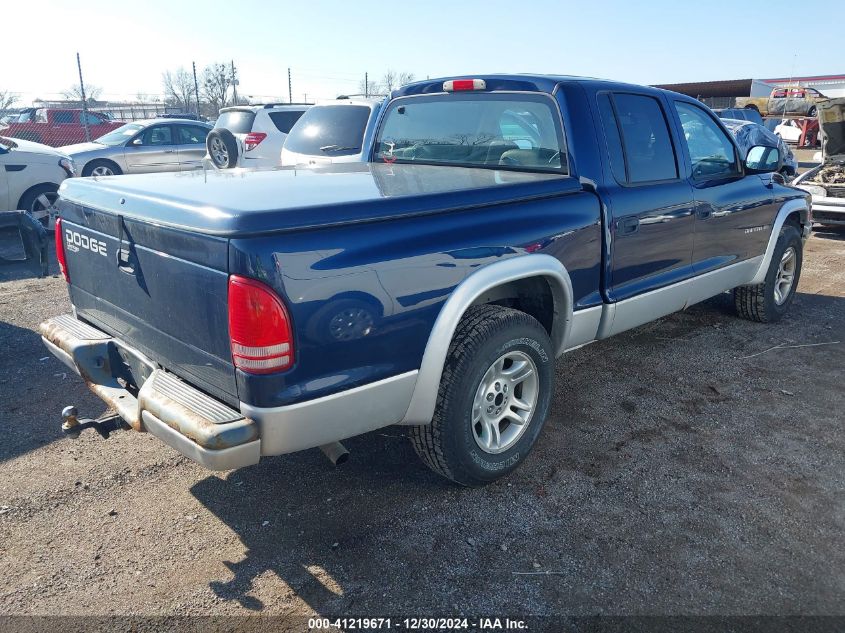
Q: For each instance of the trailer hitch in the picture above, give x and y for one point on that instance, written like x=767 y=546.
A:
x=72 y=426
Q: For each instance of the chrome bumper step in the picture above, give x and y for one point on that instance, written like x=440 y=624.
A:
x=200 y=427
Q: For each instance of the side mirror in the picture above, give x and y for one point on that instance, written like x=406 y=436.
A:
x=761 y=160
x=136 y=142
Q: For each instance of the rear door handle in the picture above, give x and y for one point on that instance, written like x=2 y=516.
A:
x=628 y=226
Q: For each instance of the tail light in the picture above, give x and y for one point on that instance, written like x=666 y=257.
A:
x=60 y=250
x=252 y=140
x=259 y=327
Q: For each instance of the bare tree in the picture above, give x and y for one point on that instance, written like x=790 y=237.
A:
x=74 y=93
x=179 y=88
x=7 y=99
x=391 y=80
x=216 y=81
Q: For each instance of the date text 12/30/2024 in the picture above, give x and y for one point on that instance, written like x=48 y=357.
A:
x=417 y=624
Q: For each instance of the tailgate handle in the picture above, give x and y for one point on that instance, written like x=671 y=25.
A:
x=125 y=261
x=125 y=256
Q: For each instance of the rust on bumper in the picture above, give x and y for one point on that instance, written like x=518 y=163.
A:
x=203 y=428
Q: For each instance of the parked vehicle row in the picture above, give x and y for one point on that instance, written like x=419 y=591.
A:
x=334 y=131
x=252 y=136
x=498 y=222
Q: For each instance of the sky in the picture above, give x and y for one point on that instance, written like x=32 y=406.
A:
x=329 y=45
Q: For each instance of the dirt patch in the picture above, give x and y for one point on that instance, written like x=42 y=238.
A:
x=675 y=476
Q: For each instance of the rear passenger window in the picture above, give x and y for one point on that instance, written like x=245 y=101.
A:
x=645 y=136
x=614 y=141
x=64 y=118
x=284 y=120
x=192 y=134
x=638 y=122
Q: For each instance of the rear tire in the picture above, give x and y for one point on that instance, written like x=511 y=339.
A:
x=101 y=167
x=769 y=301
x=222 y=147
x=493 y=399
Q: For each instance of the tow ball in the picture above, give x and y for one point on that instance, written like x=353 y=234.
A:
x=72 y=426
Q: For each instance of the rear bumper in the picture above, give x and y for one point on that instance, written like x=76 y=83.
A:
x=204 y=429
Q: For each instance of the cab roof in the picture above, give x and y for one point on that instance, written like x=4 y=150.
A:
x=523 y=83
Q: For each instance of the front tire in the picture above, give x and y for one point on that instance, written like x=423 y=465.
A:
x=769 y=301
x=493 y=399
x=40 y=202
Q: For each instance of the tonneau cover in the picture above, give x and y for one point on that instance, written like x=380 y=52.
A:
x=248 y=202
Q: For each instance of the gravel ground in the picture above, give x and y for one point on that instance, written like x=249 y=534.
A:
x=685 y=469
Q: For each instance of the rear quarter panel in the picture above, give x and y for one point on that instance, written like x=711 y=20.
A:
x=363 y=298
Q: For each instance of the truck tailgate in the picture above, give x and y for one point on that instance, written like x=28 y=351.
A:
x=161 y=290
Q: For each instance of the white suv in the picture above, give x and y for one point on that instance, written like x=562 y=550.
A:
x=251 y=136
x=337 y=131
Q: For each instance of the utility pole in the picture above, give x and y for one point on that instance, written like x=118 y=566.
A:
x=305 y=97
x=366 y=85
x=234 y=85
x=196 y=87
x=290 y=89
x=84 y=100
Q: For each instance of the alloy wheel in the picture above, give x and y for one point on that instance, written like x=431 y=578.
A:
x=785 y=276
x=504 y=402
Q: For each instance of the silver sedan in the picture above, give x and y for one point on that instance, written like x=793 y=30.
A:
x=142 y=147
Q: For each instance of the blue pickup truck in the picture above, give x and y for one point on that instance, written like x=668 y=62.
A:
x=501 y=221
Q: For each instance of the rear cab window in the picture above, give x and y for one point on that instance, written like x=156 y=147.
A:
x=236 y=121
x=331 y=130
x=501 y=130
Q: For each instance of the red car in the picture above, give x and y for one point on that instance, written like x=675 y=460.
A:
x=60 y=126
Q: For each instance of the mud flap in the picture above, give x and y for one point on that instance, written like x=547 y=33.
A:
x=23 y=244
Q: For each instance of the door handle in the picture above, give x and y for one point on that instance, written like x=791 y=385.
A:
x=169 y=151
x=628 y=226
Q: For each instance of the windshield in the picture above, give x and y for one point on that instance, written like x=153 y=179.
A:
x=501 y=130
x=332 y=130
x=236 y=121
x=120 y=135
